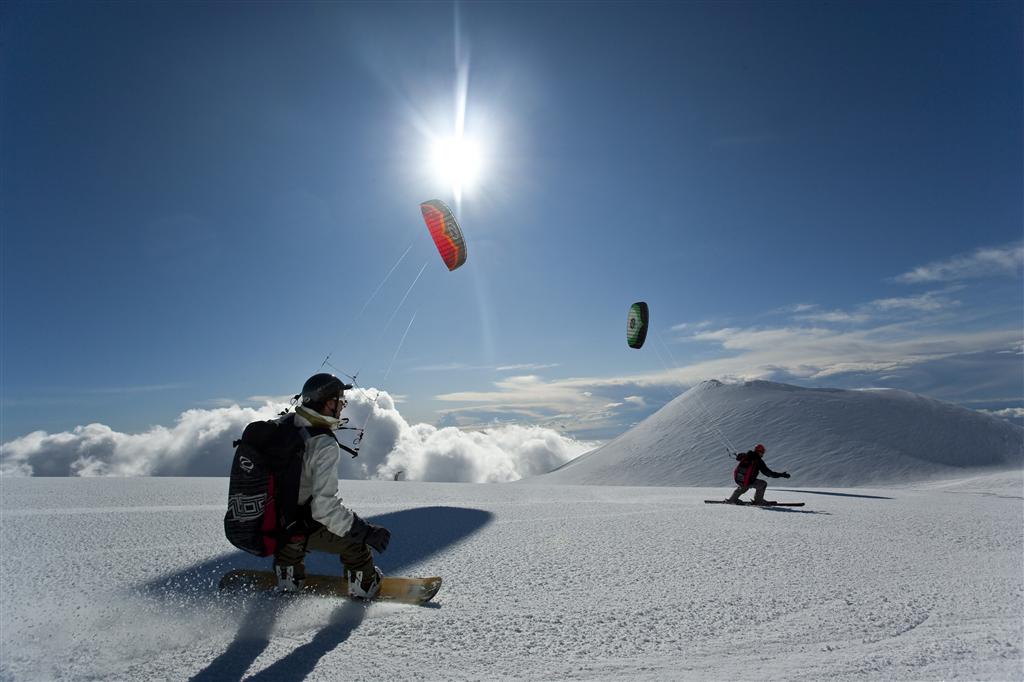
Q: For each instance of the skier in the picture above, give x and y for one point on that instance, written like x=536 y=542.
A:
x=745 y=475
x=337 y=529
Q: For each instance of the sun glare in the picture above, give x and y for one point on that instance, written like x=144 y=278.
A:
x=458 y=163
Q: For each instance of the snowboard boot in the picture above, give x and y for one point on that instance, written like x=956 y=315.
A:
x=290 y=578
x=363 y=584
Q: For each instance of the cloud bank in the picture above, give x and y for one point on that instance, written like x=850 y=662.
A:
x=199 y=444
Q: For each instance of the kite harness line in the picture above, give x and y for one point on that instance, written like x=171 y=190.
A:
x=710 y=423
x=447 y=236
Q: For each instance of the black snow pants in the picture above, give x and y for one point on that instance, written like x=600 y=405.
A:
x=758 y=483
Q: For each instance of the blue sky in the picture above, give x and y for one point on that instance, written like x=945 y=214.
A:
x=201 y=201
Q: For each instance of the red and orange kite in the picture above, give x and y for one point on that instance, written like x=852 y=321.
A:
x=445 y=231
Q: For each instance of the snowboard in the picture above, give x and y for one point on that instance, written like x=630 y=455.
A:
x=392 y=588
x=751 y=504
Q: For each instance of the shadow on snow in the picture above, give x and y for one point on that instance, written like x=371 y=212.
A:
x=417 y=534
x=791 y=510
x=826 y=492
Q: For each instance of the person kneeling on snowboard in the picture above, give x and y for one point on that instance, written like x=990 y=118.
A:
x=750 y=464
x=336 y=529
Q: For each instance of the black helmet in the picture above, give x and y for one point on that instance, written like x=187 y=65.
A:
x=320 y=388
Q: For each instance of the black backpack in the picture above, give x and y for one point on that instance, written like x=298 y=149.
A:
x=263 y=505
x=746 y=470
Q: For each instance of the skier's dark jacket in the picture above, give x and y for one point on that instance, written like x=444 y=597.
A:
x=748 y=468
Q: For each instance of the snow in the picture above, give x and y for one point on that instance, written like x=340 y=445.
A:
x=907 y=561
x=114 y=579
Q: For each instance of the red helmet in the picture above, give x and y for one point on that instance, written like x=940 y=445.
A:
x=759 y=449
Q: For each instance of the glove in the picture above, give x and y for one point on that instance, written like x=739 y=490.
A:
x=784 y=474
x=377 y=537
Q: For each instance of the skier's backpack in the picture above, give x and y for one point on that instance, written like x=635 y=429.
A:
x=746 y=470
x=263 y=505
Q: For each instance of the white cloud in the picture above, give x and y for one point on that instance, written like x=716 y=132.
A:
x=505 y=453
x=927 y=302
x=584 y=405
x=684 y=326
x=1013 y=413
x=930 y=301
x=193 y=446
x=983 y=262
x=425 y=453
x=840 y=316
x=199 y=443
x=815 y=352
x=525 y=367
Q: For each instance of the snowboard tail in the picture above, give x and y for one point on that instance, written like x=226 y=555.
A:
x=392 y=588
x=751 y=504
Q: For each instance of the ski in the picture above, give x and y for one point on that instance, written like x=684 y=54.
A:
x=751 y=504
x=392 y=588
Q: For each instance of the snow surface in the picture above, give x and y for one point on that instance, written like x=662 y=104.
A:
x=114 y=579
x=919 y=576
x=830 y=437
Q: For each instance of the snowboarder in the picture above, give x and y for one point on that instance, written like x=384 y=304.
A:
x=750 y=464
x=336 y=529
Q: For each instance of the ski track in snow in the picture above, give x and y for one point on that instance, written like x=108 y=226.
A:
x=541 y=582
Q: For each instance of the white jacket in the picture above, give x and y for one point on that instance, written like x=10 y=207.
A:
x=319 y=480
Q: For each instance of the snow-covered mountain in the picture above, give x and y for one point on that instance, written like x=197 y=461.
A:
x=827 y=437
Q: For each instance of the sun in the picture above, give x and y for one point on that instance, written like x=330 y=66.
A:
x=458 y=163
